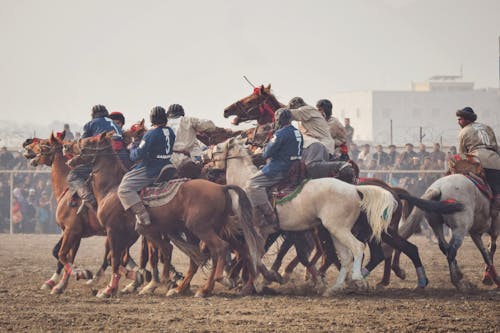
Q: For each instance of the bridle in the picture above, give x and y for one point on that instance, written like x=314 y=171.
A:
x=93 y=152
x=225 y=151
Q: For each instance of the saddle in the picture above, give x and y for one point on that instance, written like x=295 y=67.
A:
x=160 y=194
x=470 y=166
x=296 y=177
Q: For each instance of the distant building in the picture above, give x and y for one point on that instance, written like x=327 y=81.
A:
x=430 y=105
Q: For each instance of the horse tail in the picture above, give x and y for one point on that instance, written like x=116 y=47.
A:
x=379 y=205
x=242 y=207
x=412 y=224
x=432 y=205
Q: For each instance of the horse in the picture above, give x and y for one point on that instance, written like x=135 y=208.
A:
x=75 y=226
x=327 y=201
x=474 y=220
x=200 y=210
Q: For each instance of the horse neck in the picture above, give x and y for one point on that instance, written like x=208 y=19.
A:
x=107 y=174
x=59 y=174
x=239 y=170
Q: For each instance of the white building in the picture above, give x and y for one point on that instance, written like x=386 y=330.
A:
x=430 y=106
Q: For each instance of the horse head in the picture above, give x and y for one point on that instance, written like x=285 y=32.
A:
x=135 y=133
x=466 y=164
x=42 y=151
x=260 y=106
x=87 y=150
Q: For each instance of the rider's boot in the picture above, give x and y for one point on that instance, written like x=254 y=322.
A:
x=141 y=215
x=88 y=198
x=495 y=206
x=271 y=220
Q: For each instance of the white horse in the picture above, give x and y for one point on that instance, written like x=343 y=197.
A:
x=474 y=220
x=329 y=201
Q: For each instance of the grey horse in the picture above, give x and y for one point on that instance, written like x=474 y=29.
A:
x=474 y=220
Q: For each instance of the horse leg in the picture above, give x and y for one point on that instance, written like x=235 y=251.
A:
x=153 y=262
x=345 y=259
x=329 y=253
x=490 y=274
x=50 y=283
x=376 y=256
x=218 y=249
x=455 y=273
x=302 y=255
x=104 y=265
x=69 y=239
x=184 y=285
x=393 y=239
x=283 y=250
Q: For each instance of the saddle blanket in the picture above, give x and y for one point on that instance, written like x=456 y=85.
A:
x=481 y=185
x=286 y=194
x=161 y=194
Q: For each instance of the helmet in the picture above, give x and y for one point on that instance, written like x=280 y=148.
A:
x=326 y=106
x=175 y=111
x=158 y=116
x=467 y=113
x=283 y=118
x=99 y=111
x=115 y=115
x=296 y=102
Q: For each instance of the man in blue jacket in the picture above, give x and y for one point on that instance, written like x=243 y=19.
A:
x=284 y=148
x=77 y=177
x=155 y=150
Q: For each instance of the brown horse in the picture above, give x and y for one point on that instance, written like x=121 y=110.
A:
x=200 y=211
x=49 y=152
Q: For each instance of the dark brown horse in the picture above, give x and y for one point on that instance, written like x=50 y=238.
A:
x=200 y=211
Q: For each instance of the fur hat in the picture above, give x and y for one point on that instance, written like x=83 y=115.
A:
x=467 y=113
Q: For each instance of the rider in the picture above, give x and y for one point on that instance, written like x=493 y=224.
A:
x=313 y=125
x=283 y=149
x=155 y=150
x=337 y=130
x=186 y=145
x=77 y=177
x=118 y=118
x=479 y=140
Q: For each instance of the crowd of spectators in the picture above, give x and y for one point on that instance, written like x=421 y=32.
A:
x=392 y=161
x=33 y=204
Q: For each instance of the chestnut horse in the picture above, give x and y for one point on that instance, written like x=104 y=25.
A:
x=200 y=210
x=49 y=152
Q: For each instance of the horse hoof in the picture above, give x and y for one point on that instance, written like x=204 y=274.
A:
x=200 y=294
x=172 y=292
x=84 y=274
x=129 y=288
x=333 y=290
x=487 y=280
x=48 y=285
x=400 y=273
x=248 y=290
x=56 y=291
x=228 y=283
x=106 y=293
x=380 y=286
x=148 y=290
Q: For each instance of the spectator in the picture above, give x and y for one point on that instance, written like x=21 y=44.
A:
x=393 y=154
x=42 y=216
x=78 y=135
x=407 y=156
x=422 y=153
x=381 y=157
x=372 y=165
x=349 y=130
x=353 y=151
x=437 y=154
x=425 y=179
x=68 y=135
x=6 y=159
x=365 y=154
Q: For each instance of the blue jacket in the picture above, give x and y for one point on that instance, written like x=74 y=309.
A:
x=155 y=150
x=101 y=125
x=284 y=147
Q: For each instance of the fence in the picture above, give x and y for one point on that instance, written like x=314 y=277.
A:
x=13 y=173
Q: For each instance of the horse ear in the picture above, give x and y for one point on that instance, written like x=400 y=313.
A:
x=268 y=88
x=142 y=122
x=102 y=136
x=52 y=138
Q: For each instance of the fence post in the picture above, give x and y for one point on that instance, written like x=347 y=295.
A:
x=11 y=201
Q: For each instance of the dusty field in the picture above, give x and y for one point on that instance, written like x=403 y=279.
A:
x=26 y=262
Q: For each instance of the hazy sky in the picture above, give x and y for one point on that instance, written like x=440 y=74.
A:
x=58 y=58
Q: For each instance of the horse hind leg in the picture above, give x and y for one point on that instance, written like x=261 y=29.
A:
x=50 y=283
x=185 y=283
x=490 y=274
x=345 y=257
x=455 y=273
x=218 y=249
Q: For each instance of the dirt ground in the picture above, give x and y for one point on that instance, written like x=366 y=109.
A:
x=26 y=262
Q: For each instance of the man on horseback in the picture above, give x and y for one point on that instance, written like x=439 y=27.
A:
x=479 y=140
x=283 y=149
x=155 y=150
x=312 y=125
x=337 y=130
x=186 y=144
x=77 y=177
x=118 y=118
